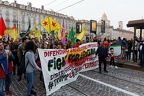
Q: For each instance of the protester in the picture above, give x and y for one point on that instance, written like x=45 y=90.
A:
x=14 y=48
x=77 y=43
x=10 y=59
x=129 y=50
x=141 y=53
x=20 y=53
x=112 y=58
x=3 y=68
x=102 y=53
x=31 y=66
x=136 y=50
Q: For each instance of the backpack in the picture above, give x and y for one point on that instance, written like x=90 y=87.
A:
x=22 y=67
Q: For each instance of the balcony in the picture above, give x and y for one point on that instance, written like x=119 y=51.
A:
x=14 y=20
x=7 y=20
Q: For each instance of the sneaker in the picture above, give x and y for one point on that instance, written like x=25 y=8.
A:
x=9 y=92
x=116 y=67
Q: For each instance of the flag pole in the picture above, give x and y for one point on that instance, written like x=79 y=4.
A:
x=18 y=23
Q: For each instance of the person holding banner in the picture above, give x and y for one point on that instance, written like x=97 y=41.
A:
x=102 y=53
x=77 y=43
x=112 y=58
x=31 y=66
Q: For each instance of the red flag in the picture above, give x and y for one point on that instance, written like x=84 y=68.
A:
x=2 y=26
x=14 y=27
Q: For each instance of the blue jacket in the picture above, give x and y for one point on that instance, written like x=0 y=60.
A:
x=4 y=63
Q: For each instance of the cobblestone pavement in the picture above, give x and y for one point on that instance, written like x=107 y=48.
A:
x=129 y=80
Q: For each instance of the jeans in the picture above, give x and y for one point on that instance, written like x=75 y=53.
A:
x=8 y=81
x=1 y=86
x=129 y=54
x=30 y=80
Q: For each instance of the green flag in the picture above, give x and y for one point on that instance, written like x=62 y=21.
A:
x=29 y=26
x=74 y=41
x=52 y=34
x=71 y=35
x=28 y=30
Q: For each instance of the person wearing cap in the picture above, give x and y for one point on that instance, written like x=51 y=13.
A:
x=77 y=43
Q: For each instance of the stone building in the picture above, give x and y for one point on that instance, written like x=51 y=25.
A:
x=120 y=32
x=108 y=28
x=19 y=15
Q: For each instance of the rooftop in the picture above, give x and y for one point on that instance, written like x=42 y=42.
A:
x=139 y=24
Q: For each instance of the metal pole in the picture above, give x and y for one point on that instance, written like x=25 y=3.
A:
x=140 y=35
x=134 y=43
x=18 y=23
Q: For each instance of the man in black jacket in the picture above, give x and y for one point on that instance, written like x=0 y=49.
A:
x=102 y=52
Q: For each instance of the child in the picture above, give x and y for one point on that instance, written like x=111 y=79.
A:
x=112 y=62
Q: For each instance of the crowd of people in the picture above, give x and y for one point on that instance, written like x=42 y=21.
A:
x=11 y=54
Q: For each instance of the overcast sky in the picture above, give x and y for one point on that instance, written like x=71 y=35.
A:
x=116 y=10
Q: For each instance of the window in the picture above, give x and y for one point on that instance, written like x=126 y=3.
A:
x=22 y=13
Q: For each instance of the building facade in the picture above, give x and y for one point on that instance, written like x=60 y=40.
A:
x=20 y=15
x=122 y=33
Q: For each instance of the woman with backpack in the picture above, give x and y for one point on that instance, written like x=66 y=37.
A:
x=30 y=65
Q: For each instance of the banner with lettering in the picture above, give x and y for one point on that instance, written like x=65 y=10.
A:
x=60 y=66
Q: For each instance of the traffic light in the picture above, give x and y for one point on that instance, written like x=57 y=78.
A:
x=93 y=26
x=102 y=26
x=78 y=27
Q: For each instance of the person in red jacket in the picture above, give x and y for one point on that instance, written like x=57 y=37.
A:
x=77 y=43
x=8 y=80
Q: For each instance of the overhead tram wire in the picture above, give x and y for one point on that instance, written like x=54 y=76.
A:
x=51 y=2
x=60 y=4
x=70 y=5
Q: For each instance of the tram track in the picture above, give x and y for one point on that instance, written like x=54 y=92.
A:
x=77 y=90
x=118 y=78
x=137 y=85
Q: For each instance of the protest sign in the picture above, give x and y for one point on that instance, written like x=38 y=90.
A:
x=61 y=66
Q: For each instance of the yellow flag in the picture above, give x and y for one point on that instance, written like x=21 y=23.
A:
x=54 y=25
x=38 y=34
x=81 y=35
x=12 y=32
x=33 y=30
x=58 y=34
x=45 y=24
x=34 y=27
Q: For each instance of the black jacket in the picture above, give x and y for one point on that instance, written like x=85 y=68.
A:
x=102 y=52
